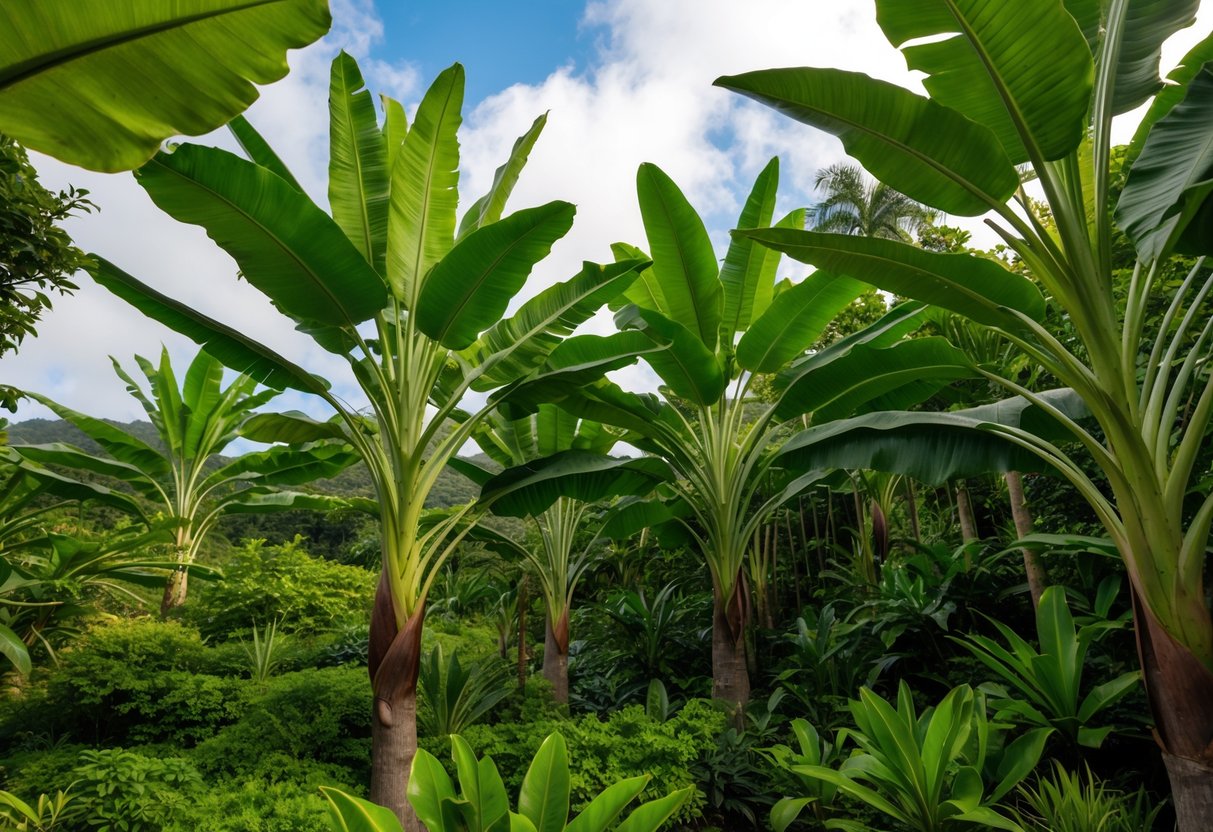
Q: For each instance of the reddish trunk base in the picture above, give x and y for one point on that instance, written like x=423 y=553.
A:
x=1180 y=690
x=393 y=661
x=556 y=659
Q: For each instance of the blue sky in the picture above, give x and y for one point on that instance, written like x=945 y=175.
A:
x=500 y=43
x=623 y=81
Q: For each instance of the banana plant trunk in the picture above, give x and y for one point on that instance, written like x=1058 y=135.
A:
x=730 y=678
x=394 y=661
x=175 y=589
x=1180 y=690
x=1032 y=567
x=964 y=512
x=556 y=656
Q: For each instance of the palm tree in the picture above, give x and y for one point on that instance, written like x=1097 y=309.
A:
x=855 y=204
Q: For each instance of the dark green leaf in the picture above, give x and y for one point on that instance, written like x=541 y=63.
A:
x=795 y=320
x=102 y=84
x=285 y=246
x=929 y=152
x=972 y=286
x=470 y=288
x=358 y=172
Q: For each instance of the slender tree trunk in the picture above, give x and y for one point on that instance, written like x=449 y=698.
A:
x=522 y=605
x=912 y=506
x=1180 y=689
x=1032 y=567
x=964 y=512
x=393 y=661
x=175 y=589
x=730 y=679
x=556 y=656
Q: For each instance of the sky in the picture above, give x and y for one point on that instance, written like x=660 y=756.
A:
x=623 y=81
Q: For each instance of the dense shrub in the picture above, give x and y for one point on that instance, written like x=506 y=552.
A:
x=601 y=753
x=315 y=716
x=267 y=583
x=123 y=791
x=141 y=681
x=258 y=806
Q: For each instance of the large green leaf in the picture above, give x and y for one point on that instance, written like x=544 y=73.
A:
x=125 y=447
x=929 y=152
x=15 y=651
x=867 y=378
x=684 y=264
x=258 y=150
x=520 y=343
x=795 y=320
x=428 y=786
x=990 y=68
x=605 y=402
x=283 y=465
x=242 y=354
x=529 y=489
x=425 y=182
x=931 y=447
x=544 y=796
x=470 y=288
x=1169 y=184
x=102 y=84
x=291 y=427
x=358 y=172
x=604 y=808
x=491 y=206
x=578 y=361
x=747 y=275
x=1148 y=24
x=285 y=245
x=972 y=286
x=1170 y=95
x=687 y=366
x=353 y=814
x=651 y=816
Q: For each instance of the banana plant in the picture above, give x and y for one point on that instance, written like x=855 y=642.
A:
x=413 y=301
x=1048 y=683
x=995 y=104
x=708 y=424
x=926 y=771
x=482 y=804
x=195 y=421
x=551 y=440
x=29 y=493
x=73 y=77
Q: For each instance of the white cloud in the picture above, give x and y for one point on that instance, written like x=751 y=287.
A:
x=647 y=97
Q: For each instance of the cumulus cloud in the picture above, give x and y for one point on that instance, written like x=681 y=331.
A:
x=646 y=95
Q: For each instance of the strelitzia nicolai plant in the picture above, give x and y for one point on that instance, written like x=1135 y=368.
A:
x=196 y=419
x=482 y=804
x=993 y=104
x=414 y=301
x=537 y=448
x=717 y=435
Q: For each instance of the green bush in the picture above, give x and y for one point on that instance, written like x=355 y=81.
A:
x=320 y=717
x=121 y=791
x=258 y=805
x=265 y=583
x=141 y=681
x=627 y=744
